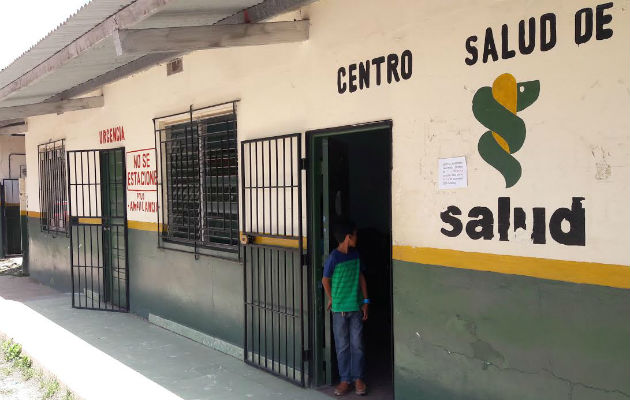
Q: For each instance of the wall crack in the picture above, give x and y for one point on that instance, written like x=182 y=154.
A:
x=489 y=364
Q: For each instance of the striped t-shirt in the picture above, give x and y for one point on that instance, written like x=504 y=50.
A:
x=343 y=270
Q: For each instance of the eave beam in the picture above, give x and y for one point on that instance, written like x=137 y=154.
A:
x=190 y=38
x=258 y=13
x=56 y=107
x=13 y=127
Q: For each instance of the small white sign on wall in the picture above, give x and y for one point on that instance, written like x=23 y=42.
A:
x=453 y=173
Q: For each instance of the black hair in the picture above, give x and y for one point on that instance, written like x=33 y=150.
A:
x=342 y=229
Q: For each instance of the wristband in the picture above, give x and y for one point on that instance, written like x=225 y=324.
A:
x=366 y=301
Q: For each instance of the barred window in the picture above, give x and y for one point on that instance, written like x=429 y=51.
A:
x=52 y=187
x=200 y=173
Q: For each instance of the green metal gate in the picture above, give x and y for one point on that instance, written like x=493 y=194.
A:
x=97 y=199
x=276 y=274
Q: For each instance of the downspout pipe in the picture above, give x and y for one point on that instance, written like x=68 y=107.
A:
x=11 y=155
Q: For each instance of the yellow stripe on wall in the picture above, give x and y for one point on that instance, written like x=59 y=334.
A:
x=612 y=275
x=279 y=242
x=143 y=226
x=91 y=221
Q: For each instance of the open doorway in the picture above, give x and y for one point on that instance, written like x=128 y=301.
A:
x=350 y=178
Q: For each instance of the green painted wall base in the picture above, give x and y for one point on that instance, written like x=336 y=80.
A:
x=25 y=257
x=458 y=334
x=48 y=257
x=469 y=335
x=205 y=295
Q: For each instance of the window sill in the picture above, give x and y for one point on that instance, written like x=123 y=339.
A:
x=200 y=249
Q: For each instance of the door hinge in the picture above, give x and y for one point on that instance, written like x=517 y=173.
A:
x=303 y=163
x=305 y=259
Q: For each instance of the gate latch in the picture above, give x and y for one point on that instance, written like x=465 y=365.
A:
x=247 y=239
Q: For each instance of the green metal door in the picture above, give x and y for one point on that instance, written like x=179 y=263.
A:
x=329 y=204
x=98 y=229
x=114 y=226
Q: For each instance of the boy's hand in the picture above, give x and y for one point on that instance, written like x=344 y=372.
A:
x=364 y=308
x=329 y=306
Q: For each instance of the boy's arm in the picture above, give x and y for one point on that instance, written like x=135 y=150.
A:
x=326 y=285
x=363 y=284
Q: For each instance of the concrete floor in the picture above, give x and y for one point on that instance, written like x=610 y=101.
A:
x=105 y=355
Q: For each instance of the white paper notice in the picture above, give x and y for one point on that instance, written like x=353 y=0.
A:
x=453 y=173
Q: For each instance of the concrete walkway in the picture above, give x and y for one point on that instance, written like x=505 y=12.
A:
x=104 y=355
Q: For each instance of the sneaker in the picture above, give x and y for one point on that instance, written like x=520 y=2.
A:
x=360 y=389
x=342 y=388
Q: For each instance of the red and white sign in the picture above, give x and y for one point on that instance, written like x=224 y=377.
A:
x=112 y=135
x=142 y=181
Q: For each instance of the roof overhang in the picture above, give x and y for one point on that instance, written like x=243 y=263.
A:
x=81 y=55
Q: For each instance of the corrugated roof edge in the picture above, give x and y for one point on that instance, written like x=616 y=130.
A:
x=259 y=12
x=44 y=58
x=125 y=16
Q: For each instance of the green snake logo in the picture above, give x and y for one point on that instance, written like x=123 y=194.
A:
x=496 y=108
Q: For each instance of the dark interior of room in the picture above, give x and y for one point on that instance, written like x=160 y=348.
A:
x=359 y=176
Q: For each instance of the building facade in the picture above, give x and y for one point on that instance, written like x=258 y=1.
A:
x=481 y=148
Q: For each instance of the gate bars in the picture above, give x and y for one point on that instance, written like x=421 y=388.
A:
x=98 y=229
x=52 y=187
x=276 y=285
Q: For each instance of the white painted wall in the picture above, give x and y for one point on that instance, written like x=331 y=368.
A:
x=11 y=144
x=578 y=129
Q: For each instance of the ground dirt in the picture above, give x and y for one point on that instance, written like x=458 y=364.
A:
x=14 y=387
x=11 y=266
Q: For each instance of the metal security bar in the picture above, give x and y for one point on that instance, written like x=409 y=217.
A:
x=198 y=179
x=98 y=229
x=52 y=187
x=276 y=279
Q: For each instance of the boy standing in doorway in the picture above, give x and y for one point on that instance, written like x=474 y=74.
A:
x=346 y=289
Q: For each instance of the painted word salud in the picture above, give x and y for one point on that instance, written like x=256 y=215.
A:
x=566 y=226
x=494 y=46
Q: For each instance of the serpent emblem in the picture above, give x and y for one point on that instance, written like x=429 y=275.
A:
x=496 y=108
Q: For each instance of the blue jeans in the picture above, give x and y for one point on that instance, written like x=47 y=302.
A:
x=348 y=332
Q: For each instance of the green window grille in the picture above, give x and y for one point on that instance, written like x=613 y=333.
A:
x=200 y=172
